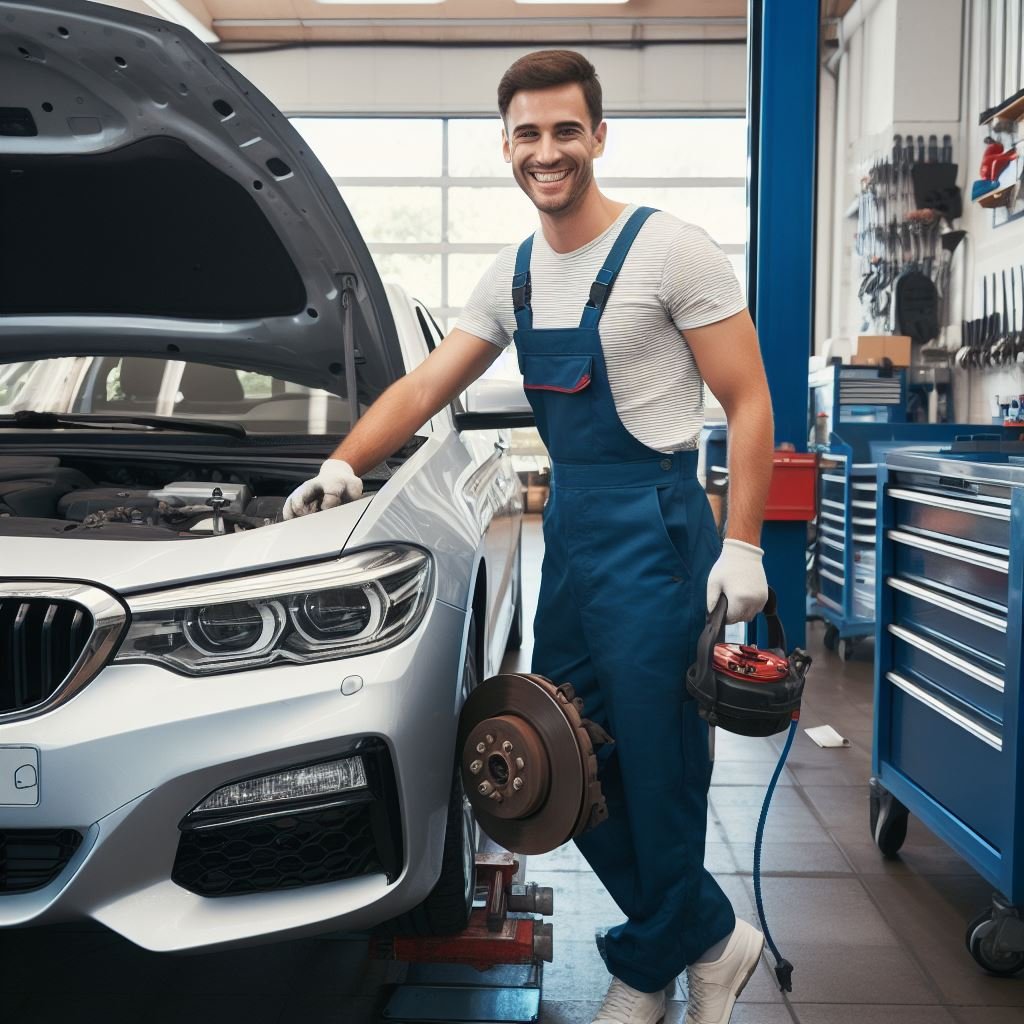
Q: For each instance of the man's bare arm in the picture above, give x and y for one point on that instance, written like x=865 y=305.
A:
x=729 y=359
x=405 y=406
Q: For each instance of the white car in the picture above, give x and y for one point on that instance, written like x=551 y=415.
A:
x=217 y=727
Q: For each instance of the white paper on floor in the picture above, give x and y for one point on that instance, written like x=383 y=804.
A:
x=826 y=736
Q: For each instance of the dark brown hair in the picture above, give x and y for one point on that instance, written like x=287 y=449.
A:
x=545 y=68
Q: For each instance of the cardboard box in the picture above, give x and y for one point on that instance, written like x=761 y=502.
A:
x=871 y=349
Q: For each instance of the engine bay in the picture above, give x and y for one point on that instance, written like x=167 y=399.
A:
x=45 y=496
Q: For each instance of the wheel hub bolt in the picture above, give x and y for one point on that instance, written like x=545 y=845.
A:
x=517 y=783
x=481 y=747
x=484 y=788
x=476 y=766
x=520 y=764
x=496 y=796
x=488 y=739
x=507 y=746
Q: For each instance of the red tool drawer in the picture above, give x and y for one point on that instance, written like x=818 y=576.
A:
x=794 y=482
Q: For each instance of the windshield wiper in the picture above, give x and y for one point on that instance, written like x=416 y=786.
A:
x=34 y=420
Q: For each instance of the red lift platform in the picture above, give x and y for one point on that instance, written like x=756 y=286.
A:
x=491 y=973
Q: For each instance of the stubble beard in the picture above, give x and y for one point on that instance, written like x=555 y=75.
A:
x=555 y=207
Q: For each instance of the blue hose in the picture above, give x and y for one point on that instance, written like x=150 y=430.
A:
x=783 y=968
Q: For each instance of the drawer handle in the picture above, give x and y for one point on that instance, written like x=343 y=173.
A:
x=826 y=600
x=936 y=501
x=956 y=607
x=831 y=530
x=925 y=698
x=834 y=478
x=944 y=654
x=831 y=543
x=960 y=554
x=834 y=518
x=833 y=504
x=831 y=576
x=832 y=562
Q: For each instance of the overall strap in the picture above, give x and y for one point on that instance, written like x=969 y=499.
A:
x=602 y=286
x=521 y=287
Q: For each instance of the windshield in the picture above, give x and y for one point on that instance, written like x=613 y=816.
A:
x=125 y=385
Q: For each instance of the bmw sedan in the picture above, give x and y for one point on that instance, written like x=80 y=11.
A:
x=218 y=727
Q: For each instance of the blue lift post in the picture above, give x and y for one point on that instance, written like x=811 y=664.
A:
x=782 y=109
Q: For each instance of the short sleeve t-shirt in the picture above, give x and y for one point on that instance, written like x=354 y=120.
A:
x=674 y=278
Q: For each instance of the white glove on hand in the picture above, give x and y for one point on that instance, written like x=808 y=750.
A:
x=335 y=484
x=739 y=575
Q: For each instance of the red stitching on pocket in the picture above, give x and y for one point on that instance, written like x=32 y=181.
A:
x=584 y=381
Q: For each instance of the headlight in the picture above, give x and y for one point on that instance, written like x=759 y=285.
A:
x=361 y=602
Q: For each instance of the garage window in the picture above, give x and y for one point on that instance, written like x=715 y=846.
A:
x=435 y=201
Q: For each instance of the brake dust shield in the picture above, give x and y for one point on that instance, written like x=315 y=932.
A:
x=528 y=762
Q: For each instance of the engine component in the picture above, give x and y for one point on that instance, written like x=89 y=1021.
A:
x=517 y=734
x=79 y=505
x=36 y=491
x=189 y=492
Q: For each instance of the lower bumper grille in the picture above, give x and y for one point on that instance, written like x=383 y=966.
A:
x=300 y=846
x=32 y=857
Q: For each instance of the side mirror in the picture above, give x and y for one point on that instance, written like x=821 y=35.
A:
x=494 y=404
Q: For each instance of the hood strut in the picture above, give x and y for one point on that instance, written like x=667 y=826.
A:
x=348 y=298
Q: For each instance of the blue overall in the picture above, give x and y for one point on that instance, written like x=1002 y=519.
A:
x=629 y=541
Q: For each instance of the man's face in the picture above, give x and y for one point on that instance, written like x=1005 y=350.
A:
x=550 y=144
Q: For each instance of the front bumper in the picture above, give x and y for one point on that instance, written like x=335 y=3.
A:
x=126 y=760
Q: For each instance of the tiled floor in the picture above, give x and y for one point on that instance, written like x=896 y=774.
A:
x=873 y=941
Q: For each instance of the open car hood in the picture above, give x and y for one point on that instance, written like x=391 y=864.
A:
x=154 y=202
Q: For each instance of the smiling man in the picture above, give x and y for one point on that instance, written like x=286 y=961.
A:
x=619 y=315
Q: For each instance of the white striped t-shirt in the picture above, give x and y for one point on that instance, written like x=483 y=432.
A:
x=675 y=277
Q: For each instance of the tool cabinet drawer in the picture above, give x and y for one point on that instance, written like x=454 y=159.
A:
x=955 y=520
x=924 y=658
x=955 y=757
x=937 y=615
x=971 y=574
x=830 y=586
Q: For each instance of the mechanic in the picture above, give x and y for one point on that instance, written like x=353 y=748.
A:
x=619 y=316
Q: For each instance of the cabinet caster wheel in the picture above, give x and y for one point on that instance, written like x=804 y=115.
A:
x=983 y=944
x=888 y=820
x=846 y=649
x=831 y=638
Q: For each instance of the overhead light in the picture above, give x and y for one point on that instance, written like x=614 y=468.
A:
x=172 y=10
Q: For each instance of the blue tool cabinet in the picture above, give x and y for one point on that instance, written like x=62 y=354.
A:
x=948 y=672
x=842 y=552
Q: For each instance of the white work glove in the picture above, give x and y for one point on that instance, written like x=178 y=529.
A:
x=739 y=575
x=335 y=484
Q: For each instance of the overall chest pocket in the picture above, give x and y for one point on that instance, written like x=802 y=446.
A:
x=567 y=374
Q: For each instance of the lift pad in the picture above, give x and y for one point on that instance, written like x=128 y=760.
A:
x=492 y=972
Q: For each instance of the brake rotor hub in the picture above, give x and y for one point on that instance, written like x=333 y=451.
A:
x=518 y=734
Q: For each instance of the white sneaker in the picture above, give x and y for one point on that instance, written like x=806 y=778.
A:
x=625 y=1005
x=716 y=985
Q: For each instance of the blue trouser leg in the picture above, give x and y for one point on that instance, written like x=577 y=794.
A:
x=621 y=604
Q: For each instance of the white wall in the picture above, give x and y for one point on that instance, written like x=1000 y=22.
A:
x=910 y=68
x=671 y=78
x=988 y=249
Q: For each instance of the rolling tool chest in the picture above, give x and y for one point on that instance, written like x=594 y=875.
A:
x=841 y=560
x=948 y=669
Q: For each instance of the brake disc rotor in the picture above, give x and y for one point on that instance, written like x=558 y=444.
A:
x=528 y=762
